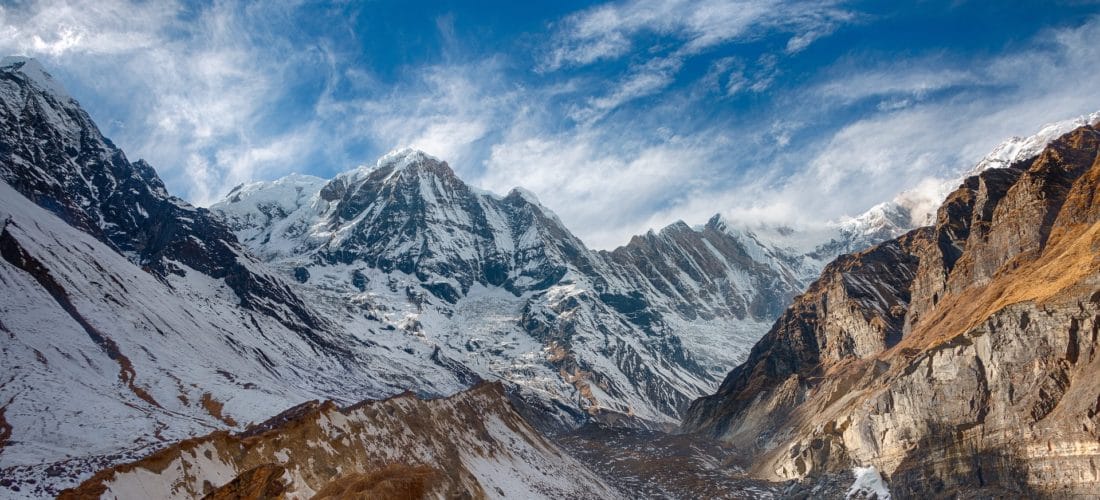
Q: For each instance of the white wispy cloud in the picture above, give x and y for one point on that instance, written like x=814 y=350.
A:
x=195 y=91
x=603 y=190
x=445 y=110
x=190 y=95
x=643 y=80
x=912 y=145
x=917 y=146
x=95 y=27
x=911 y=78
x=608 y=31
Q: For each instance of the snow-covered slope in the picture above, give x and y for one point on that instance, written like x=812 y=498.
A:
x=130 y=318
x=52 y=153
x=497 y=283
x=101 y=357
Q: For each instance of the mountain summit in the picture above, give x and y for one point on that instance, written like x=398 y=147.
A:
x=32 y=70
x=410 y=213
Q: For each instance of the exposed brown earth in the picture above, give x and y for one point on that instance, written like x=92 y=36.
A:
x=960 y=358
x=259 y=483
x=398 y=482
x=215 y=408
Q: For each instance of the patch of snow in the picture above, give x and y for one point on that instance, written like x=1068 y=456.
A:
x=868 y=483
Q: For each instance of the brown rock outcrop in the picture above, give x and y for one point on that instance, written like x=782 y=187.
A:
x=471 y=445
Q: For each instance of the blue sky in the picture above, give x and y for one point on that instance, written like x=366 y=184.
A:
x=620 y=116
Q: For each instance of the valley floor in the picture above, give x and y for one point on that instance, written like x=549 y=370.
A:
x=653 y=464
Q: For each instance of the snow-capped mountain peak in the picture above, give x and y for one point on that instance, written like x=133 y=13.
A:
x=403 y=157
x=35 y=73
x=878 y=221
x=409 y=161
x=524 y=194
x=409 y=212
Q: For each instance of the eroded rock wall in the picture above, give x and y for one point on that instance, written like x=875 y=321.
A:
x=968 y=362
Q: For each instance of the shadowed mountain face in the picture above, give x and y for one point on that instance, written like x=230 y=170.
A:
x=957 y=358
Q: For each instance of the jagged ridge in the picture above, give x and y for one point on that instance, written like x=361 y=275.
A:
x=472 y=444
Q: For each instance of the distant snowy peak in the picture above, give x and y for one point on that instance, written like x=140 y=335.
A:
x=259 y=210
x=782 y=238
x=881 y=222
x=922 y=201
x=402 y=162
x=412 y=163
x=1018 y=149
x=287 y=193
x=790 y=243
x=293 y=181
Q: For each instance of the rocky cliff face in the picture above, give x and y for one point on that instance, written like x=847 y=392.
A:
x=956 y=358
x=709 y=272
x=412 y=214
x=471 y=445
